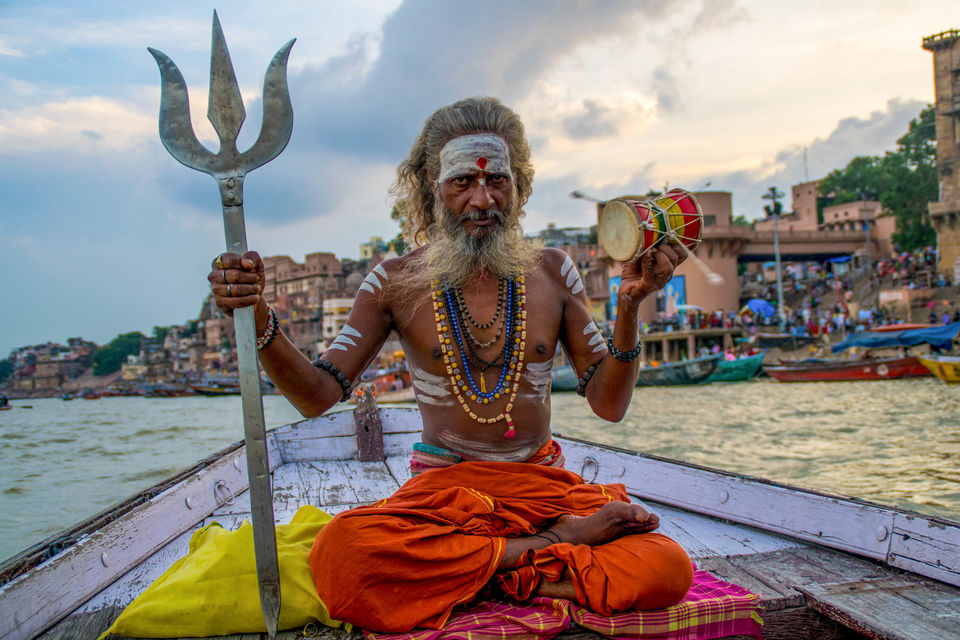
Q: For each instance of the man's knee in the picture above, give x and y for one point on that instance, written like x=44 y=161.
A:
x=646 y=571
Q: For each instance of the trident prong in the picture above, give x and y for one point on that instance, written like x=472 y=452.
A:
x=229 y=167
x=225 y=112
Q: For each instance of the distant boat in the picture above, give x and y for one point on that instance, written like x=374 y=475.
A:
x=736 y=370
x=166 y=391
x=563 y=378
x=218 y=388
x=839 y=370
x=947 y=368
x=683 y=372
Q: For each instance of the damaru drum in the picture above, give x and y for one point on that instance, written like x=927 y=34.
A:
x=628 y=227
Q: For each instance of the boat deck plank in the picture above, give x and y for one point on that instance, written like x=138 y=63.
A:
x=897 y=607
x=806 y=589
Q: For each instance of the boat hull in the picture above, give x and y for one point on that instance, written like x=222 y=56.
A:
x=867 y=369
x=563 y=379
x=684 y=372
x=736 y=370
x=947 y=368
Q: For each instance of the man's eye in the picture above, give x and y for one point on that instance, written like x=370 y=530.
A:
x=461 y=180
x=498 y=178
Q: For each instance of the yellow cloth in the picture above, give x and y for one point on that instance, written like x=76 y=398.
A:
x=213 y=591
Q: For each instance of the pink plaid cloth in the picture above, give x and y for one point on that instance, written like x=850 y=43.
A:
x=711 y=609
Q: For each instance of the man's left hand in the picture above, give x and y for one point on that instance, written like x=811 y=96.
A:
x=650 y=272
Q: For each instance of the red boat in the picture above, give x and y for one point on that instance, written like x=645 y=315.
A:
x=831 y=370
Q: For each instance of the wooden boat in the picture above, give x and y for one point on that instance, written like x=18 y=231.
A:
x=215 y=388
x=167 y=391
x=835 y=370
x=826 y=566
x=736 y=370
x=563 y=378
x=945 y=367
x=683 y=372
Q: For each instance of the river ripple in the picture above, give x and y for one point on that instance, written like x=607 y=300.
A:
x=896 y=442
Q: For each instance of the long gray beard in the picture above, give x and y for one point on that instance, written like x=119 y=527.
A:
x=455 y=256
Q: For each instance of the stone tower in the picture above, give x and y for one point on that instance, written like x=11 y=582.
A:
x=945 y=214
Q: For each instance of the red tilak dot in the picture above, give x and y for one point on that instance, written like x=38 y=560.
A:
x=481 y=163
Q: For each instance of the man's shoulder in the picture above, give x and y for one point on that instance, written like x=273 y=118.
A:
x=556 y=264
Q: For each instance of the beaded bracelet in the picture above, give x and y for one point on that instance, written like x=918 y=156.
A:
x=270 y=331
x=584 y=379
x=334 y=370
x=624 y=356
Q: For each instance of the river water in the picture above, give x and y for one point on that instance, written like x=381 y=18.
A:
x=894 y=441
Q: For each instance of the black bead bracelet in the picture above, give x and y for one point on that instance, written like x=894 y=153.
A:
x=584 y=379
x=624 y=356
x=334 y=370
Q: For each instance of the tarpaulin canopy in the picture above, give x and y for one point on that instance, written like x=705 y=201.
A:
x=759 y=306
x=940 y=337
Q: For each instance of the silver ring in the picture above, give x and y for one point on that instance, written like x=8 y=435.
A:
x=223 y=274
x=229 y=289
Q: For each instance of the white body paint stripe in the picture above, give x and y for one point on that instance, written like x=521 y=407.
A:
x=371 y=282
x=430 y=388
x=568 y=269
x=381 y=271
x=344 y=339
x=539 y=376
x=339 y=347
x=350 y=331
x=597 y=338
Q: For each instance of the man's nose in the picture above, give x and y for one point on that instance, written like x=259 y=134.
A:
x=480 y=196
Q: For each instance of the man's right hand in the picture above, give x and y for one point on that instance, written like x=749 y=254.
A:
x=236 y=282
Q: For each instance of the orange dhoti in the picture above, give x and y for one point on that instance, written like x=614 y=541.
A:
x=408 y=560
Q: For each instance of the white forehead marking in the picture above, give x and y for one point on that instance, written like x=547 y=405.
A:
x=568 y=269
x=429 y=388
x=465 y=155
x=539 y=376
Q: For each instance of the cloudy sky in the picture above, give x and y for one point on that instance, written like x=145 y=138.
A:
x=103 y=232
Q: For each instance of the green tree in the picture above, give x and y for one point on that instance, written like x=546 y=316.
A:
x=111 y=356
x=6 y=368
x=159 y=334
x=398 y=215
x=903 y=181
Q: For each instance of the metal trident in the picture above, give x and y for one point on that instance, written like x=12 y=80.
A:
x=229 y=167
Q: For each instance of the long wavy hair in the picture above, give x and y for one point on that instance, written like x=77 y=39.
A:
x=414 y=188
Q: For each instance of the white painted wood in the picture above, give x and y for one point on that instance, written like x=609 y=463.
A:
x=705 y=537
x=399 y=467
x=833 y=521
x=134 y=582
x=928 y=547
x=371 y=481
x=316 y=438
x=92 y=564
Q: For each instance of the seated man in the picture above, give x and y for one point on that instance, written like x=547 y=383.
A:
x=480 y=311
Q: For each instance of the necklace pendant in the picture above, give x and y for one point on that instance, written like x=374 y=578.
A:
x=510 y=432
x=483 y=387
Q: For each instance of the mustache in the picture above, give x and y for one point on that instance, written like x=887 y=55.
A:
x=483 y=214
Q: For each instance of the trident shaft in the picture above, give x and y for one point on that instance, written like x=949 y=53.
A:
x=229 y=167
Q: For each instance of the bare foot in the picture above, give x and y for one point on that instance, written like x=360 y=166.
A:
x=612 y=521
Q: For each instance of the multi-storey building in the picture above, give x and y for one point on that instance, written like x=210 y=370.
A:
x=945 y=213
